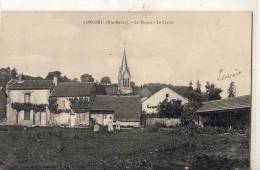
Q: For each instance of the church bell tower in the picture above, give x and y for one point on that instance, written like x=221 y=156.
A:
x=124 y=77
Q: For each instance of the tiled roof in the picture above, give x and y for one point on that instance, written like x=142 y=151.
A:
x=241 y=102
x=111 y=89
x=30 y=84
x=72 y=89
x=125 y=108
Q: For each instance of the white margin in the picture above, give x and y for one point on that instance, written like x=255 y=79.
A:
x=169 y=5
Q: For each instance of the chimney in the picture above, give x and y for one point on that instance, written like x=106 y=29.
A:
x=55 y=80
x=20 y=77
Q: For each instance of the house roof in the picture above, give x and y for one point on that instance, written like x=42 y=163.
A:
x=72 y=89
x=30 y=84
x=240 y=102
x=111 y=89
x=125 y=108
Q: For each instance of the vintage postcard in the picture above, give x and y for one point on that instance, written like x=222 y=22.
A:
x=125 y=90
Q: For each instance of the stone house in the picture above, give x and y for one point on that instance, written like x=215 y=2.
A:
x=123 y=110
x=27 y=102
x=72 y=100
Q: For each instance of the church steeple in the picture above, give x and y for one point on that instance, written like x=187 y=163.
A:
x=124 y=77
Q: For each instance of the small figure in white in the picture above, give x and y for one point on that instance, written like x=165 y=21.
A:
x=110 y=124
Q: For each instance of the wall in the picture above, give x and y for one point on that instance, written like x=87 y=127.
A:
x=37 y=96
x=149 y=105
x=102 y=119
x=66 y=118
x=128 y=124
x=165 y=121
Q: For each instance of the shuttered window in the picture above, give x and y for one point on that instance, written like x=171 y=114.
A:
x=26 y=115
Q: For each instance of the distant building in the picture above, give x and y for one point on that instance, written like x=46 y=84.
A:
x=124 y=77
x=73 y=100
x=151 y=100
x=27 y=102
x=123 y=110
x=3 y=102
x=228 y=113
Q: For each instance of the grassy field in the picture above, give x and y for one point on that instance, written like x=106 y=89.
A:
x=59 y=148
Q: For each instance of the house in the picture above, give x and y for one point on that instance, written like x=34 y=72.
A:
x=72 y=100
x=123 y=110
x=3 y=102
x=227 y=113
x=27 y=102
x=151 y=100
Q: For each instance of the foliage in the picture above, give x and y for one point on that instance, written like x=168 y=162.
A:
x=79 y=104
x=172 y=108
x=29 y=106
x=53 y=106
x=61 y=78
x=105 y=80
x=232 y=90
x=86 y=78
x=212 y=91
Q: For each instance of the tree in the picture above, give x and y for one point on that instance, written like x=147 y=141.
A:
x=105 y=80
x=172 y=108
x=190 y=88
x=13 y=73
x=51 y=75
x=214 y=92
x=232 y=90
x=59 y=75
x=132 y=84
x=86 y=78
x=198 y=88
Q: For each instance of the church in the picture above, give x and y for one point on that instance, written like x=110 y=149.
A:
x=124 y=78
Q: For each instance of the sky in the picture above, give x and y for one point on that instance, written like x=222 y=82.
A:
x=164 y=47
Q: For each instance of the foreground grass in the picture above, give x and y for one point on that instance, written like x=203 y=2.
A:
x=58 y=148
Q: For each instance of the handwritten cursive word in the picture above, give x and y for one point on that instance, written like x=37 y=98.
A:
x=223 y=76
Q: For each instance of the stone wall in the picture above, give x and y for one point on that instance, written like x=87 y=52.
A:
x=168 y=122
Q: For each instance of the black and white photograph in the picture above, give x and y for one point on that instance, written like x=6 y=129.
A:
x=150 y=90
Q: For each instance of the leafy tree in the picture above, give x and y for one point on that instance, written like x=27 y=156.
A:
x=105 y=80
x=13 y=73
x=198 y=88
x=59 y=75
x=172 y=108
x=86 y=78
x=132 y=84
x=190 y=88
x=214 y=92
x=232 y=90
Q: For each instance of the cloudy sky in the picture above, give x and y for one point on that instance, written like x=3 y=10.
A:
x=187 y=46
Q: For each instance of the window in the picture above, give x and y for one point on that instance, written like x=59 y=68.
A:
x=27 y=97
x=26 y=115
x=167 y=95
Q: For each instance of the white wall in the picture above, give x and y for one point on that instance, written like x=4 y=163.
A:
x=150 y=104
x=168 y=122
x=64 y=102
x=102 y=119
x=37 y=96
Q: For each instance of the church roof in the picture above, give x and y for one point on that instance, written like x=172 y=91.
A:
x=124 y=67
x=125 y=108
